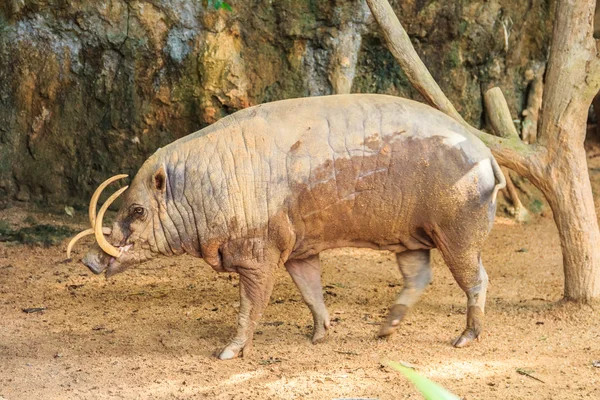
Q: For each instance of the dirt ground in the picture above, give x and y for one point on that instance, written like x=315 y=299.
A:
x=151 y=332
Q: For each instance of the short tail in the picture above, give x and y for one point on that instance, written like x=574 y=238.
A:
x=499 y=176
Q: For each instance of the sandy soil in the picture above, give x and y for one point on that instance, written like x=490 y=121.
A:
x=151 y=332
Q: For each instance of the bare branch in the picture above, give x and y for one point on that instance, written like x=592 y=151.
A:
x=404 y=52
x=521 y=212
x=499 y=114
x=503 y=125
x=531 y=114
x=510 y=152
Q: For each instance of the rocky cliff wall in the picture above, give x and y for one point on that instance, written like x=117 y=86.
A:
x=90 y=88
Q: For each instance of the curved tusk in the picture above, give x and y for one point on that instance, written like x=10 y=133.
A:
x=102 y=242
x=87 y=232
x=96 y=196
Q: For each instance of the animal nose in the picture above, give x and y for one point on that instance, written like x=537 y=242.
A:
x=92 y=261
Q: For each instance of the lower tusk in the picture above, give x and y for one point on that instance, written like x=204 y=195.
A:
x=87 y=232
x=102 y=242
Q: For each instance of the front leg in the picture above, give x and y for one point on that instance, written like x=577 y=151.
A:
x=256 y=285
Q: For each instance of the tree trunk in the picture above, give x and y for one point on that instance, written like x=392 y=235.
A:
x=566 y=185
x=570 y=84
x=573 y=207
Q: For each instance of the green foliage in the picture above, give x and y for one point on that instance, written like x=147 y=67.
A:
x=429 y=389
x=45 y=235
x=218 y=4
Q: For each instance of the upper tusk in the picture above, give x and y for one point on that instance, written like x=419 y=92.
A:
x=96 y=196
x=102 y=242
x=92 y=213
x=87 y=232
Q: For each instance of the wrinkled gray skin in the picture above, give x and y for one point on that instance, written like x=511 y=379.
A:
x=276 y=184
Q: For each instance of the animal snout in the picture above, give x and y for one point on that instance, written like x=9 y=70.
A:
x=92 y=261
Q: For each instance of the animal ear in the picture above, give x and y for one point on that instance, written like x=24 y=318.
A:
x=159 y=179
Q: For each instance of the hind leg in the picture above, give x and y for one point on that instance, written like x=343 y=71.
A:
x=306 y=274
x=470 y=275
x=415 y=266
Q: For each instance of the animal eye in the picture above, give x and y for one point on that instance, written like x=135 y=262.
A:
x=139 y=211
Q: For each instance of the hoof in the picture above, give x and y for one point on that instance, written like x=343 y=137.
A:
x=228 y=354
x=234 y=350
x=474 y=327
x=319 y=337
x=320 y=329
x=467 y=337
x=396 y=315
